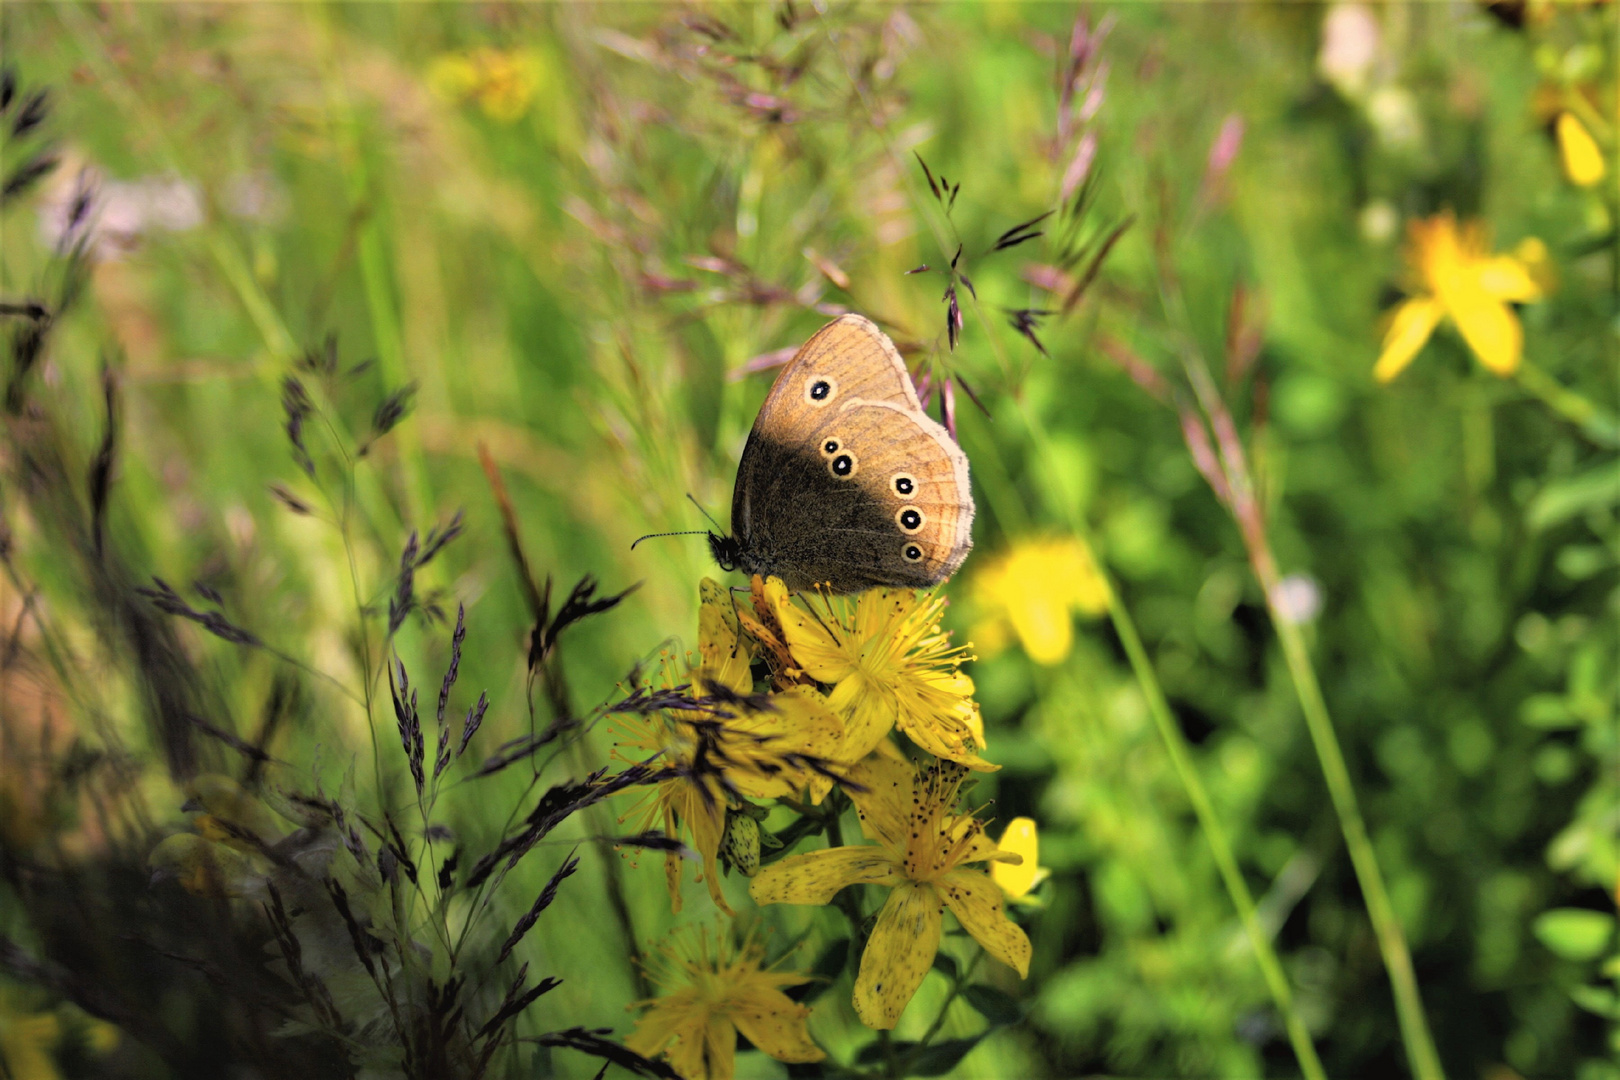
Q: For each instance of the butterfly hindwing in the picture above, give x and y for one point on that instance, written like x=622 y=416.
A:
x=845 y=481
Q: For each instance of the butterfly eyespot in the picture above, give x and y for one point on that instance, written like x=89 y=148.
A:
x=904 y=486
x=911 y=553
x=830 y=447
x=843 y=466
x=820 y=390
x=911 y=519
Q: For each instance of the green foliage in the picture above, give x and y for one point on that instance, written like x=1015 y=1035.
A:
x=580 y=264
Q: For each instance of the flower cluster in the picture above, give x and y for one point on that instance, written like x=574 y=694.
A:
x=793 y=698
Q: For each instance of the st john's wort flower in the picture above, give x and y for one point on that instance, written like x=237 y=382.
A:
x=923 y=854
x=720 y=743
x=1036 y=589
x=1459 y=279
x=714 y=989
x=890 y=666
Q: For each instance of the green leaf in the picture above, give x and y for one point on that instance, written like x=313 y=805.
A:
x=1560 y=500
x=828 y=966
x=942 y=1057
x=1548 y=712
x=1597 y=999
x=994 y=1005
x=1574 y=933
x=945 y=966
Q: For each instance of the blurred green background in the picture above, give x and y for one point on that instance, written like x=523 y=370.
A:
x=570 y=227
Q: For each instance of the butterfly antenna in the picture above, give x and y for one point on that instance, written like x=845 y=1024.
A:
x=704 y=512
x=684 y=532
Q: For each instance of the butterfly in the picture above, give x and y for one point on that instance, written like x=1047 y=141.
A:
x=845 y=482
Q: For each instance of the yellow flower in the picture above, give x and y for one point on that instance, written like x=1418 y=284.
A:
x=1036 y=587
x=1583 y=160
x=922 y=851
x=712 y=991
x=889 y=665
x=1466 y=283
x=230 y=814
x=502 y=82
x=722 y=751
x=1017 y=879
x=205 y=868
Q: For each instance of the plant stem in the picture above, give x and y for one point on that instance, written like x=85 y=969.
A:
x=1237 y=888
x=1209 y=822
x=1595 y=422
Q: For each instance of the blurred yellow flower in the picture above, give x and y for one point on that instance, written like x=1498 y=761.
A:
x=1036 y=588
x=230 y=814
x=1461 y=280
x=714 y=753
x=1583 y=160
x=713 y=990
x=890 y=665
x=503 y=82
x=922 y=851
x=1017 y=879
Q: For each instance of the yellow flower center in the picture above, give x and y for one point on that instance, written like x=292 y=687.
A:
x=938 y=839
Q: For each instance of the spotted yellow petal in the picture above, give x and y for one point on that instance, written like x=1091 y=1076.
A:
x=719 y=1051
x=881 y=788
x=1583 y=159
x=1019 y=838
x=898 y=954
x=774 y=1022
x=813 y=878
x=724 y=652
x=1414 y=322
x=976 y=902
x=799 y=722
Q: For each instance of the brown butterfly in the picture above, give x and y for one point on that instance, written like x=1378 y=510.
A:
x=845 y=482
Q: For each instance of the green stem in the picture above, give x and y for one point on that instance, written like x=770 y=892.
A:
x=1175 y=744
x=1594 y=421
x=1237 y=888
x=1420 y=1050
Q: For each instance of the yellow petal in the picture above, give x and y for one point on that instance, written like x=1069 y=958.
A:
x=802 y=722
x=1019 y=839
x=229 y=809
x=1507 y=278
x=817 y=650
x=1044 y=627
x=662 y=1022
x=1409 y=331
x=813 y=878
x=774 y=1022
x=881 y=788
x=691 y=1055
x=868 y=713
x=976 y=902
x=1490 y=328
x=719 y=1051
x=898 y=954
x=724 y=652
x=1583 y=160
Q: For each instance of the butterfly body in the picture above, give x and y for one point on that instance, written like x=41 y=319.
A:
x=845 y=482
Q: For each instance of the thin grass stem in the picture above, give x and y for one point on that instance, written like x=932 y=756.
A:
x=1592 y=420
